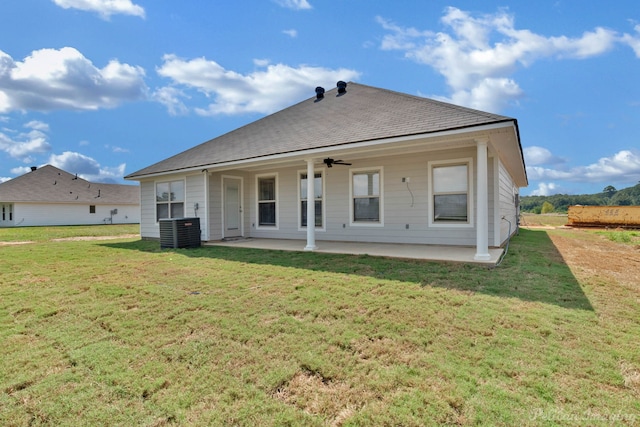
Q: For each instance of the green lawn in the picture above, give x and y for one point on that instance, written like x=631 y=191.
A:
x=120 y=332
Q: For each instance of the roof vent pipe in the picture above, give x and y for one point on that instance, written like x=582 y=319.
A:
x=342 y=88
x=33 y=168
x=319 y=93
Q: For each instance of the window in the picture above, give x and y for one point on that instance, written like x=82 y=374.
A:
x=450 y=193
x=366 y=196
x=169 y=200
x=317 y=196
x=5 y=209
x=267 y=201
x=92 y=209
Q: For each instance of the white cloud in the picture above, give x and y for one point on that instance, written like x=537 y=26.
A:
x=492 y=94
x=545 y=189
x=86 y=167
x=263 y=91
x=261 y=62
x=535 y=155
x=25 y=145
x=52 y=79
x=294 y=4
x=170 y=97
x=633 y=41
x=622 y=167
x=477 y=54
x=105 y=8
x=20 y=170
x=291 y=33
x=116 y=149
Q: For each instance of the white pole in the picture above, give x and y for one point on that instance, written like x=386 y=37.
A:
x=311 y=208
x=482 y=211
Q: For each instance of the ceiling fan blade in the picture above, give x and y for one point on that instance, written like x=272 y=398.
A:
x=330 y=162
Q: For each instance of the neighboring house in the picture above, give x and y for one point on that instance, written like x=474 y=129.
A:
x=386 y=167
x=51 y=196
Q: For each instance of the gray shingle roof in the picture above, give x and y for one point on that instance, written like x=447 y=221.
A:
x=364 y=113
x=49 y=184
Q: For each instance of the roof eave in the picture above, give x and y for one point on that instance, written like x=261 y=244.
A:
x=315 y=151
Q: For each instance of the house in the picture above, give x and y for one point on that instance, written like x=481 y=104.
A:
x=51 y=196
x=365 y=164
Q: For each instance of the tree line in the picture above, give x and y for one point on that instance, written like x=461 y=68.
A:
x=560 y=202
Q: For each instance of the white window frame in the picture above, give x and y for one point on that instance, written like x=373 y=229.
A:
x=322 y=199
x=169 y=202
x=277 y=203
x=380 y=222
x=7 y=212
x=468 y=162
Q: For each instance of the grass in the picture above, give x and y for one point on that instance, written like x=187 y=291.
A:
x=548 y=220
x=45 y=233
x=631 y=237
x=120 y=332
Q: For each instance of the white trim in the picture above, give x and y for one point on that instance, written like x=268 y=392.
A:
x=333 y=148
x=468 y=161
x=155 y=195
x=205 y=224
x=311 y=208
x=482 y=230
x=380 y=223
x=241 y=199
x=257 y=222
x=324 y=219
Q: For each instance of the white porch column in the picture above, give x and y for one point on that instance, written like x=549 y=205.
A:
x=311 y=208
x=204 y=220
x=482 y=207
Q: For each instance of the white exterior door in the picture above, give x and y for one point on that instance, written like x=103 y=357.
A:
x=232 y=207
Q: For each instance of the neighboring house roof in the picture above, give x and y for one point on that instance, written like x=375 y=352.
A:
x=363 y=114
x=49 y=184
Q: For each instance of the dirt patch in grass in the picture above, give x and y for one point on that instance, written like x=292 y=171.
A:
x=593 y=257
x=80 y=238
x=316 y=395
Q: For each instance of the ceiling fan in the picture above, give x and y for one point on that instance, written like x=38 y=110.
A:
x=330 y=162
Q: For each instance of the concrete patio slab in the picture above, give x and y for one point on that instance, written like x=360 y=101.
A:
x=391 y=250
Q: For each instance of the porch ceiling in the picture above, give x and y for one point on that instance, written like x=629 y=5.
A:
x=502 y=138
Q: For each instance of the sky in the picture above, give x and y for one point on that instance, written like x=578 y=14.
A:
x=103 y=88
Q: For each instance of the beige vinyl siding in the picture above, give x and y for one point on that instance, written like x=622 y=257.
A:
x=195 y=194
x=215 y=206
x=401 y=206
x=38 y=214
x=405 y=205
x=493 y=201
x=508 y=192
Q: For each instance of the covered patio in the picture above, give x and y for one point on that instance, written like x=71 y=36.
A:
x=392 y=250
